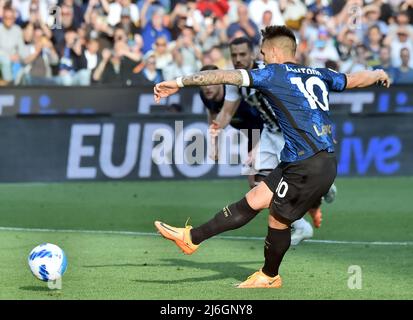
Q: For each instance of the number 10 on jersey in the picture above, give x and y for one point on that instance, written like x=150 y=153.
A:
x=307 y=90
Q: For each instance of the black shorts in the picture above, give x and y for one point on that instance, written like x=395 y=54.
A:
x=297 y=186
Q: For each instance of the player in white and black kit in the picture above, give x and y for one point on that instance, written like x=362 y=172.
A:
x=266 y=155
x=245 y=118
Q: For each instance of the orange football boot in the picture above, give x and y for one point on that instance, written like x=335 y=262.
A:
x=181 y=236
x=261 y=280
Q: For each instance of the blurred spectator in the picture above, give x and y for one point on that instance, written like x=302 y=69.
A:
x=386 y=10
x=346 y=44
x=137 y=46
x=245 y=24
x=217 y=8
x=35 y=22
x=373 y=44
x=92 y=56
x=26 y=7
x=206 y=59
x=266 y=20
x=256 y=9
x=73 y=64
x=129 y=50
x=322 y=51
x=407 y=6
x=349 y=14
x=152 y=6
x=316 y=6
x=357 y=62
x=402 y=20
x=77 y=12
x=293 y=12
x=312 y=25
x=232 y=15
x=191 y=52
x=385 y=62
x=177 y=21
x=127 y=24
x=42 y=55
x=185 y=14
x=154 y=29
x=162 y=54
x=218 y=59
x=200 y=29
x=96 y=25
x=12 y=48
x=116 y=66
x=404 y=74
x=212 y=33
x=119 y=7
x=149 y=74
x=400 y=41
x=177 y=68
x=372 y=18
x=112 y=69
x=67 y=21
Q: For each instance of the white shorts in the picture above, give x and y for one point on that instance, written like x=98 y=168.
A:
x=267 y=156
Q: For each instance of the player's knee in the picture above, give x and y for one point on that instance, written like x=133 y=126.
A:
x=275 y=222
x=259 y=197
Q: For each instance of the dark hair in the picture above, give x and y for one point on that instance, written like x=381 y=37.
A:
x=332 y=65
x=209 y=67
x=70 y=29
x=272 y=32
x=241 y=40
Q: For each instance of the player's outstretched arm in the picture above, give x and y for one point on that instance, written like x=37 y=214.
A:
x=225 y=115
x=203 y=78
x=367 y=78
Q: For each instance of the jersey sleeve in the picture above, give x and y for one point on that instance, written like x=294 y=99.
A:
x=336 y=81
x=259 y=78
x=232 y=93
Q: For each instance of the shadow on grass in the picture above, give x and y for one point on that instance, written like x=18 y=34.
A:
x=37 y=288
x=224 y=270
x=122 y=265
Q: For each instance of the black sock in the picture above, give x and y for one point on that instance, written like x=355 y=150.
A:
x=276 y=245
x=231 y=217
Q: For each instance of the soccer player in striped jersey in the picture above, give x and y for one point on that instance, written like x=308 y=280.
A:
x=299 y=97
x=266 y=155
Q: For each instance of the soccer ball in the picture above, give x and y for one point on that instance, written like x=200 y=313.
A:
x=47 y=262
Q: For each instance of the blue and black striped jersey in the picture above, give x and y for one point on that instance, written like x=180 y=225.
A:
x=299 y=97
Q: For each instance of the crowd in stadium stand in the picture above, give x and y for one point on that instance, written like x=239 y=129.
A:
x=125 y=42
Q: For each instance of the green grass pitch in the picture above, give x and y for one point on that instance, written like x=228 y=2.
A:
x=142 y=265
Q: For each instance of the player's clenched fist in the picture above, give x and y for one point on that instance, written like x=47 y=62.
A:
x=383 y=78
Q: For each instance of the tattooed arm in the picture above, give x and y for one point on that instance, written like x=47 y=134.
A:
x=366 y=78
x=205 y=78
x=235 y=77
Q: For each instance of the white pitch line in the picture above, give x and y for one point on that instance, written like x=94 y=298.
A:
x=152 y=234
